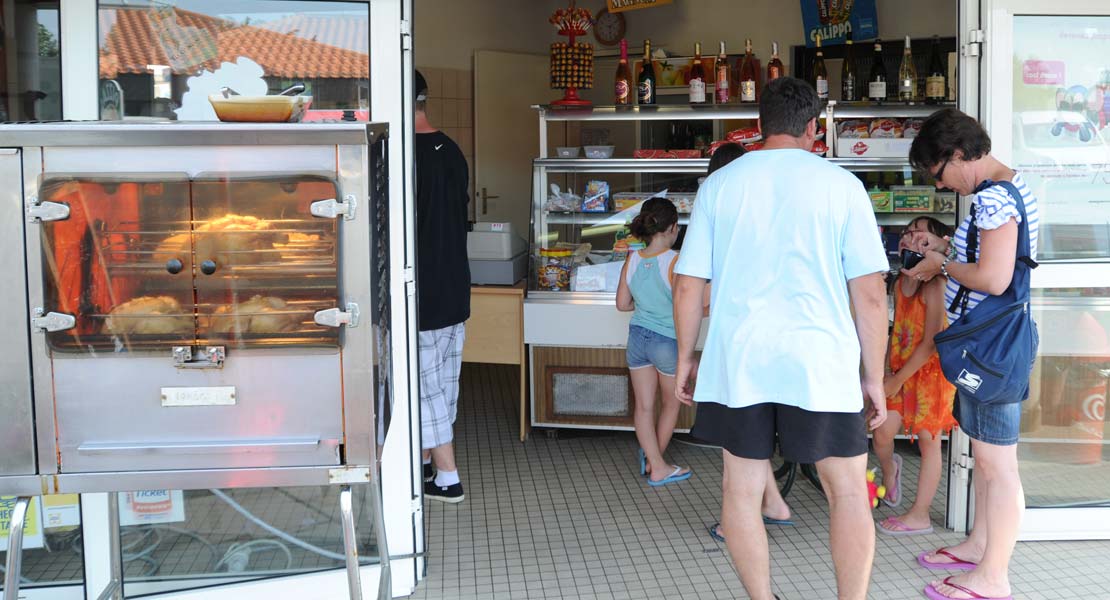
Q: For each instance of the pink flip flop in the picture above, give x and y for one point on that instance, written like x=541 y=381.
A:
x=894 y=526
x=957 y=564
x=933 y=593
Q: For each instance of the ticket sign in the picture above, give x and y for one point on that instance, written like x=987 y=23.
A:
x=32 y=525
x=833 y=19
x=151 y=506
x=616 y=6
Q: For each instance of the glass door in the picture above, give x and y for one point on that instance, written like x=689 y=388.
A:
x=1048 y=119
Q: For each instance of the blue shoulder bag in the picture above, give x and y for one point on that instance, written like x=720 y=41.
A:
x=988 y=353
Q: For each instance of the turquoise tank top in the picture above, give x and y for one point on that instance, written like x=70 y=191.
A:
x=649 y=280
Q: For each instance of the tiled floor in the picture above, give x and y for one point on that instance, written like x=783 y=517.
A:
x=569 y=517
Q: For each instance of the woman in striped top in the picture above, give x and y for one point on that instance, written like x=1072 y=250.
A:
x=954 y=149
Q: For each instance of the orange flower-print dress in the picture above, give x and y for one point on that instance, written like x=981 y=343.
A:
x=925 y=401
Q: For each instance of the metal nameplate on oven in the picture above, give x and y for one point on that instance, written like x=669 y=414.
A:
x=199 y=396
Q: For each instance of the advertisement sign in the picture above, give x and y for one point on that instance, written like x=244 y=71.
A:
x=833 y=19
x=1061 y=144
x=616 y=6
x=32 y=525
x=151 y=506
x=61 y=511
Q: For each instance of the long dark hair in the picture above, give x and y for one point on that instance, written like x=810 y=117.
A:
x=934 y=226
x=656 y=216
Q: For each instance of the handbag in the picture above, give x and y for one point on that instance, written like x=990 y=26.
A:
x=988 y=352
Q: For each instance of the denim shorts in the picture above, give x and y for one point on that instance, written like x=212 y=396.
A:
x=997 y=424
x=649 y=349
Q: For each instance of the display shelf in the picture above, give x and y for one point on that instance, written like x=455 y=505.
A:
x=598 y=218
x=872 y=110
x=622 y=165
x=653 y=112
x=861 y=165
x=905 y=218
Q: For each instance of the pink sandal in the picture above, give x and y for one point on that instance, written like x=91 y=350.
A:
x=895 y=526
x=933 y=593
x=957 y=564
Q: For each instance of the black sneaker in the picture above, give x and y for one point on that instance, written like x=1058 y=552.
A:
x=429 y=473
x=452 y=494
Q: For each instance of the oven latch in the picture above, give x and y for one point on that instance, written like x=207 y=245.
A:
x=52 y=321
x=334 y=317
x=332 y=208
x=41 y=212
x=211 y=357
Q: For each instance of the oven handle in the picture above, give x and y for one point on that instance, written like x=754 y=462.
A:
x=205 y=447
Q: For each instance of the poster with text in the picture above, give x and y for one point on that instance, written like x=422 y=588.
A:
x=833 y=19
x=32 y=523
x=1061 y=109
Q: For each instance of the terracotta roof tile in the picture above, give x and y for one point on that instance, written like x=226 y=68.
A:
x=188 y=42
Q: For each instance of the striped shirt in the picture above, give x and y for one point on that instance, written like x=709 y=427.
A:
x=993 y=208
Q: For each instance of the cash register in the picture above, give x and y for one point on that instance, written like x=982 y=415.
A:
x=497 y=254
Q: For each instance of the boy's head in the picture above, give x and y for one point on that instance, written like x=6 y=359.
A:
x=725 y=154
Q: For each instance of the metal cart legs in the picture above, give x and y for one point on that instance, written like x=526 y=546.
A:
x=350 y=542
x=15 y=547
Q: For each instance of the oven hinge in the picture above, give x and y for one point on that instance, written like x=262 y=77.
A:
x=332 y=208
x=334 y=317
x=49 y=322
x=211 y=357
x=41 y=212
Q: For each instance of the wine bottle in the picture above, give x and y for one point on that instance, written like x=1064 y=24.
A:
x=876 y=81
x=645 y=83
x=849 y=80
x=697 y=77
x=907 y=75
x=820 y=73
x=720 y=81
x=936 y=88
x=623 y=86
x=748 y=74
x=775 y=69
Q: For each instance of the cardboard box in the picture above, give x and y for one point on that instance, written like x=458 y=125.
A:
x=881 y=201
x=873 y=147
x=683 y=201
x=913 y=198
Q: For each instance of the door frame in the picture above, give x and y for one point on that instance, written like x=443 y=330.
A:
x=996 y=109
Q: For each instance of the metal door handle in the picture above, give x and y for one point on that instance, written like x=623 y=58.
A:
x=485 y=200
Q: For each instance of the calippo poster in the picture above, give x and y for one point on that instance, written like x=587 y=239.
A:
x=833 y=19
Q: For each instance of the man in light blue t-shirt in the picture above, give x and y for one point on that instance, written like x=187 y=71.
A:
x=790 y=243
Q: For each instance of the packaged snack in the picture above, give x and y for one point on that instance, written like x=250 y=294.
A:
x=684 y=202
x=881 y=201
x=713 y=147
x=820 y=131
x=913 y=198
x=596 y=198
x=886 y=128
x=853 y=128
x=744 y=135
x=560 y=201
x=686 y=153
x=652 y=153
x=819 y=148
x=911 y=127
x=753 y=146
x=627 y=200
x=553 y=270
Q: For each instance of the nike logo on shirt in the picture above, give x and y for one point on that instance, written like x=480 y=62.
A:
x=439 y=146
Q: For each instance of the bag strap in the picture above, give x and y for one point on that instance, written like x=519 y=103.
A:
x=1024 y=250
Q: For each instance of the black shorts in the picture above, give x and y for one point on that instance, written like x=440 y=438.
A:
x=804 y=437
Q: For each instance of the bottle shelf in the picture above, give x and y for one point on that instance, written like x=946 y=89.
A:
x=690 y=165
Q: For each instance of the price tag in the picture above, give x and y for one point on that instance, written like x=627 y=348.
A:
x=497 y=227
x=907 y=175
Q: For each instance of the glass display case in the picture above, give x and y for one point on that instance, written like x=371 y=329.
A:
x=582 y=207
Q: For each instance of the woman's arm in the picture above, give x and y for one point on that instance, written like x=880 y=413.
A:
x=624 y=295
x=992 y=274
x=934 y=322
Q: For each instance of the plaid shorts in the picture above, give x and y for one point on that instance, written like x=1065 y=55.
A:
x=440 y=362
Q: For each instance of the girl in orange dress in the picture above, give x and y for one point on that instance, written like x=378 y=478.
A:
x=919 y=398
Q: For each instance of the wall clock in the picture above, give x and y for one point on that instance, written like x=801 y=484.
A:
x=608 y=27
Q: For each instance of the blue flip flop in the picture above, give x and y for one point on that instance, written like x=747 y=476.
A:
x=783 y=522
x=643 y=461
x=766 y=521
x=674 y=477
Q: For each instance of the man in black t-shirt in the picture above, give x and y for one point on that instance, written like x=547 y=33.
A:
x=443 y=294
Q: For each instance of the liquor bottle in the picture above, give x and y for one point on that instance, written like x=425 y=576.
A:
x=820 y=73
x=645 y=83
x=720 y=79
x=748 y=74
x=849 y=80
x=936 y=88
x=775 y=69
x=876 y=81
x=907 y=75
x=697 y=77
x=623 y=86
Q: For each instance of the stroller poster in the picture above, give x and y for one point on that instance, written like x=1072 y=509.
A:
x=1061 y=110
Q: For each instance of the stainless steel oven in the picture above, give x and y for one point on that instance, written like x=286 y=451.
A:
x=192 y=305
